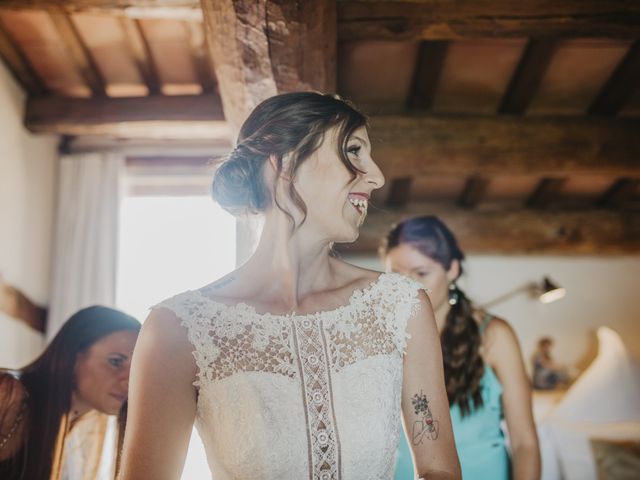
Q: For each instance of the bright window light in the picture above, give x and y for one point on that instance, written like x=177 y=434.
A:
x=169 y=245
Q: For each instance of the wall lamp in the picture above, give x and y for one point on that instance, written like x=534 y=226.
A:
x=546 y=291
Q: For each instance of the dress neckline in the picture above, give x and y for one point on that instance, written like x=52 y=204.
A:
x=357 y=296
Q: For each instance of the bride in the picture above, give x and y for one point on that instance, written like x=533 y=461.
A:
x=296 y=365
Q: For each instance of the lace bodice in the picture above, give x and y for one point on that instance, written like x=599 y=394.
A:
x=300 y=396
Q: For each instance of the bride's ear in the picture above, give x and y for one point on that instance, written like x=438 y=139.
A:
x=279 y=167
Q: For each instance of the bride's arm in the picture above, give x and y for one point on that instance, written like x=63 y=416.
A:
x=425 y=408
x=162 y=401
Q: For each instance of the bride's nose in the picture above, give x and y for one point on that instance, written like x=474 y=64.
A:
x=373 y=176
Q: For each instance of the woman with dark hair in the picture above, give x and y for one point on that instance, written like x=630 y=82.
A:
x=483 y=367
x=296 y=365
x=85 y=368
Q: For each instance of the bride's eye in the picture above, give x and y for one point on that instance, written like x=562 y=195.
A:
x=354 y=150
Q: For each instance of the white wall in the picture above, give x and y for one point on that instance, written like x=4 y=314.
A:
x=27 y=177
x=600 y=291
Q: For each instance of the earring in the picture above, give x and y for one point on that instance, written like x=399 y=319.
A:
x=454 y=293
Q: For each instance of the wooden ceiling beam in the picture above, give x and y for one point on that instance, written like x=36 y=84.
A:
x=622 y=84
x=178 y=117
x=515 y=231
x=255 y=57
x=412 y=19
x=142 y=54
x=474 y=192
x=438 y=20
x=619 y=193
x=19 y=65
x=431 y=56
x=418 y=145
x=80 y=54
x=547 y=191
x=527 y=76
x=403 y=146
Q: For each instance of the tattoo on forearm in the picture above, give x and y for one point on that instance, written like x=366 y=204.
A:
x=426 y=426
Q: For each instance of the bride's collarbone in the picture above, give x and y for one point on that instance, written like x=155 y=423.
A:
x=263 y=298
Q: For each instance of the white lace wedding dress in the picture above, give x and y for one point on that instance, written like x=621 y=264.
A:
x=300 y=396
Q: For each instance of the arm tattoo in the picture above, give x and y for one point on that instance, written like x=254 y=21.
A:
x=426 y=426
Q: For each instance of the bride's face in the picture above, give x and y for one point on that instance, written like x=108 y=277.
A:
x=336 y=201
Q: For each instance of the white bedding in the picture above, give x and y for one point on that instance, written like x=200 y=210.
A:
x=603 y=403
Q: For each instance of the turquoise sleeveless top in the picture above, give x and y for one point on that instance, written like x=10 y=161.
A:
x=479 y=439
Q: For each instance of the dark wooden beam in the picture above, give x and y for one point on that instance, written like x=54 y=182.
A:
x=403 y=146
x=399 y=192
x=414 y=145
x=516 y=231
x=426 y=77
x=142 y=54
x=201 y=57
x=79 y=52
x=620 y=192
x=446 y=20
x=19 y=65
x=547 y=191
x=527 y=76
x=474 y=191
x=622 y=84
x=160 y=117
x=255 y=56
x=413 y=19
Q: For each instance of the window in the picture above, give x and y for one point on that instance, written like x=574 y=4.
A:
x=169 y=244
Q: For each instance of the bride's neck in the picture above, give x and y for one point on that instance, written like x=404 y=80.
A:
x=296 y=264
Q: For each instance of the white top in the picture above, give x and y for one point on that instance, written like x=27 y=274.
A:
x=297 y=397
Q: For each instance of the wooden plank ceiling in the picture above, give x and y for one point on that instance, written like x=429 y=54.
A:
x=518 y=122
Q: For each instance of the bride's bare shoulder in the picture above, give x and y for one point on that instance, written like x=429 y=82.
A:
x=354 y=276
x=233 y=287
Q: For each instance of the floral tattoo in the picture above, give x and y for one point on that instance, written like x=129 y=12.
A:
x=426 y=426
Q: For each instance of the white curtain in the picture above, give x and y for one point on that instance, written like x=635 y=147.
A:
x=86 y=235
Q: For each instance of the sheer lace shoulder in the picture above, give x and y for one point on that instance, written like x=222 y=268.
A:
x=228 y=339
x=401 y=297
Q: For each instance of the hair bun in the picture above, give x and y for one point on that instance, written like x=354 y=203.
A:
x=238 y=186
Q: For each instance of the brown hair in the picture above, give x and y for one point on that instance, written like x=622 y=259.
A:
x=48 y=384
x=460 y=337
x=289 y=124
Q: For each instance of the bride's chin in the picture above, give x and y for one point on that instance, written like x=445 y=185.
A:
x=349 y=236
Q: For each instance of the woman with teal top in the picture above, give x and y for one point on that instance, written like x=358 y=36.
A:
x=484 y=371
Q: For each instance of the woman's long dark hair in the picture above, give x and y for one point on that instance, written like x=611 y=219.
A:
x=460 y=337
x=49 y=383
